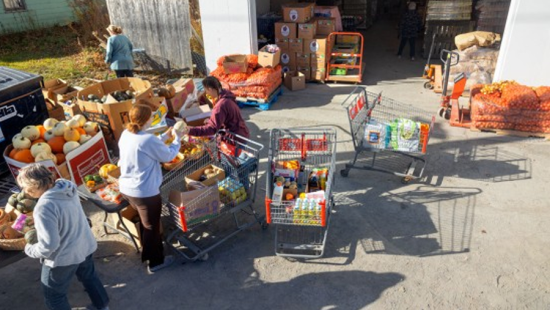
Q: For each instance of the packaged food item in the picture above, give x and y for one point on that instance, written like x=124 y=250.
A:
x=110 y=193
x=405 y=135
x=376 y=135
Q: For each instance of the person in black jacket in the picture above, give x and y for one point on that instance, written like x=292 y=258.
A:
x=409 y=27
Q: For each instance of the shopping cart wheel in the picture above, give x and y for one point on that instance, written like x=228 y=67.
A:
x=344 y=173
x=406 y=180
x=429 y=85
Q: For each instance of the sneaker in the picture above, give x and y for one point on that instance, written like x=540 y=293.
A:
x=92 y=307
x=168 y=260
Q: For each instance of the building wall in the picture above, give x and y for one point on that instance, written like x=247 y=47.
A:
x=39 y=14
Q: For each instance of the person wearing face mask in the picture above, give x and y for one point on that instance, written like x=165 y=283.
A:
x=141 y=177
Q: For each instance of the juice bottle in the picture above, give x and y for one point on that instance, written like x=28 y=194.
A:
x=311 y=212
x=277 y=196
x=296 y=212
x=318 y=212
x=323 y=179
x=305 y=212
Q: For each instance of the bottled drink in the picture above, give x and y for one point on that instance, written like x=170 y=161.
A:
x=277 y=197
x=305 y=211
x=311 y=211
x=296 y=212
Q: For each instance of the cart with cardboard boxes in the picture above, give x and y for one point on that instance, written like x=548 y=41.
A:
x=211 y=199
x=300 y=178
x=345 y=58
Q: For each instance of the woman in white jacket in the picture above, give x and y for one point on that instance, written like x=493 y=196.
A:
x=65 y=241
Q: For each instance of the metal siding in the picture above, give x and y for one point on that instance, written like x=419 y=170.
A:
x=39 y=14
x=161 y=27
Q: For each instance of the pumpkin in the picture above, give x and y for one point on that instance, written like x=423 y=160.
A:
x=80 y=119
x=17 y=136
x=42 y=130
x=91 y=128
x=73 y=123
x=59 y=129
x=71 y=134
x=24 y=156
x=40 y=148
x=31 y=237
x=56 y=144
x=22 y=143
x=45 y=156
x=30 y=132
x=84 y=138
x=49 y=123
x=60 y=158
x=105 y=169
x=38 y=141
x=70 y=146
x=12 y=152
x=81 y=131
x=48 y=135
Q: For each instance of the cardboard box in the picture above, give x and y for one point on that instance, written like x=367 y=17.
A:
x=235 y=64
x=196 y=116
x=55 y=110
x=196 y=211
x=296 y=45
x=318 y=60
x=70 y=109
x=303 y=60
x=131 y=219
x=306 y=71
x=294 y=80
x=298 y=12
x=288 y=59
x=307 y=31
x=282 y=43
x=184 y=87
x=266 y=59
x=195 y=177
x=288 y=68
x=317 y=45
x=64 y=94
x=318 y=74
x=84 y=160
x=285 y=31
x=325 y=25
x=49 y=85
x=113 y=116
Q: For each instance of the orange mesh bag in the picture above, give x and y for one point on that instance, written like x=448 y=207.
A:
x=520 y=97
x=543 y=93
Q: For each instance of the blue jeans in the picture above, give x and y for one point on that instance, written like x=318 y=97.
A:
x=56 y=281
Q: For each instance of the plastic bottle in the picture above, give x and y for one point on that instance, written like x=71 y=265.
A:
x=318 y=212
x=296 y=212
x=311 y=211
x=277 y=197
x=304 y=219
x=323 y=179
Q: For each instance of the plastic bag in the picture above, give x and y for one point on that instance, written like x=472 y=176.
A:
x=191 y=101
x=405 y=135
x=377 y=135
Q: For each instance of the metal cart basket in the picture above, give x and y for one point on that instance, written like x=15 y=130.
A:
x=381 y=125
x=301 y=224
x=200 y=218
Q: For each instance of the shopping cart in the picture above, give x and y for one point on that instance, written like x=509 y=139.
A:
x=380 y=125
x=203 y=217
x=305 y=156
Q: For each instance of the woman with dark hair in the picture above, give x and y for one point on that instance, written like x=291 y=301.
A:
x=140 y=178
x=225 y=115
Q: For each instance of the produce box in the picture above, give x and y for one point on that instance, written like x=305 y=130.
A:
x=318 y=73
x=285 y=30
x=266 y=59
x=296 y=45
x=70 y=109
x=283 y=44
x=298 y=12
x=306 y=71
x=288 y=58
x=55 y=110
x=208 y=207
x=307 y=30
x=49 y=85
x=325 y=25
x=130 y=217
x=80 y=162
x=318 y=60
x=316 y=46
x=63 y=94
x=235 y=64
x=295 y=80
x=302 y=60
x=196 y=115
x=183 y=88
x=113 y=115
x=218 y=174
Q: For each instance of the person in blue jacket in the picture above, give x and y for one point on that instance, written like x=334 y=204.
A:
x=119 y=53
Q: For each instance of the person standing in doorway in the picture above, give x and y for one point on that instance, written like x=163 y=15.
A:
x=119 y=53
x=410 y=26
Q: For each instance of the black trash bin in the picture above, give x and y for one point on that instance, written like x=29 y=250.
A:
x=21 y=104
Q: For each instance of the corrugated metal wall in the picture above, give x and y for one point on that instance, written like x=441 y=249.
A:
x=161 y=27
x=38 y=14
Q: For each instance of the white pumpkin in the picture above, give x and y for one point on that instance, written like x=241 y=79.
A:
x=59 y=129
x=81 y=119
x=49 y=123
x=31 y=132
x=180 y=127
x=69 y=146
x=39 y=148
x=17 y=136
x=90 y=128
x=73 y=123
x=71 y=134
x=45 y=156
x=84 y=139
x=22 y=143
x=48 y=135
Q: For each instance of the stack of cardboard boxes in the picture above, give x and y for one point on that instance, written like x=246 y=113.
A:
x=302 y=39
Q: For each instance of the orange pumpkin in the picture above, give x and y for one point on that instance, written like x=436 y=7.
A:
x=13 y=152
x=24 y=156
x=56 y=143
x=80 y=130
x=39 y=140
x=42 y=130
x=60 y=158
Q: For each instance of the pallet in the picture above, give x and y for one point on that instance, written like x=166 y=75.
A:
x=513 y=133
x=261 y=104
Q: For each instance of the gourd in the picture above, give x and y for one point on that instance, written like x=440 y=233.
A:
x=60 y=158
x=24 y=156
x=56 y=144
x=73 y=123
x=70 y=146
x=90 y=127
x=39 y=148
x=30 y=132
x=48 y=135
x=45 y=156
x=71 y=134
x=59 y=129
x=84 y=138
x=80 y=119
x=22 y=143
x=41 y=130
x=49 y=123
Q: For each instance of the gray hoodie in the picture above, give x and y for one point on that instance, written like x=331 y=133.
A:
x=64 y=236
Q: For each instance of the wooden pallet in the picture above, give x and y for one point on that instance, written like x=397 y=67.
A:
x=513 y=133
x=262 y=104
